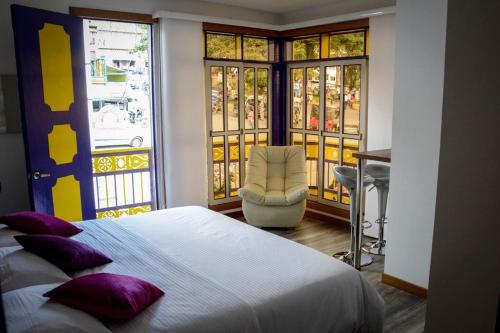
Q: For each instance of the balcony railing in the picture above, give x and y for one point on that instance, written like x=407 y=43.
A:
x=123 y=182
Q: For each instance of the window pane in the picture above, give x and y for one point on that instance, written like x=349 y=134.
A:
x=312 y=163
x=312 y=98
x=249 y=143
x=350 y=146
x=262 y=87
x=330 y=185
x=255 y=49
x=306 y=48
x=352 y=95
x=221 y=46
x=232 y=99
x=219 y=172
x=234 y=164
x=249 y=98
x=263 y=140
x=297 y=139
x=297 y=97
x=217 y=98
x=347 y=45
x=332 y=99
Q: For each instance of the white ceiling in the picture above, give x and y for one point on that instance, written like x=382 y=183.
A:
x=277 y=6
x=283 y=7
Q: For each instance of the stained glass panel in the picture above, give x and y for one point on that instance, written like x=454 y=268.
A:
x=263 y=140
x=331 y=159
x=350 y=146
x=312 y=155
x=234 y=164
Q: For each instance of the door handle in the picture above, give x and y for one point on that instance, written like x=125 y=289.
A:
x=38 y=175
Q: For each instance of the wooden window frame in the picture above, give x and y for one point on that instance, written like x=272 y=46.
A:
x=111 y=15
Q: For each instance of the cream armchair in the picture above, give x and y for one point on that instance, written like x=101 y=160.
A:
x=275 y=190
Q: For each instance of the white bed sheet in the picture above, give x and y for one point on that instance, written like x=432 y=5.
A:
x=221 y=275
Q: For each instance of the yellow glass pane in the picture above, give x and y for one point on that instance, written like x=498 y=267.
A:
x=249 y=142
x=297 y=139
x=306 y=48
x=255 y=49
x=220 y=46
x=325 y=41
x=263 y=140
x=219 y=177
x=297 y=88
x=234 y=164
x=350 y=146
x=217 y=93
x=330 y=186
x=312 y=98
x=312 y=150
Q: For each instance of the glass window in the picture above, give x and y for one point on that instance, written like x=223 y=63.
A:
x=350 y=146
x=297 y=139
x=263 y=140
x=331 y=159
x=232 y=99
x=255 y=49
x=297 y=97
x=312 y=155
x=352 y=98
x=217 y=98
x=306 y=48
x=350 y=44
x=221 y=46
x=332 y=99
x=234 y=164
x=249 y=98
x=312 y=98
x=219 y=172
x=262 y=97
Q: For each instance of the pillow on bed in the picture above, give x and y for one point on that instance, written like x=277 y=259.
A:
x=67 y=254
x=19 y=269
x=38 y=223
x=7 y=236
x=26 y=310
x=108 y=296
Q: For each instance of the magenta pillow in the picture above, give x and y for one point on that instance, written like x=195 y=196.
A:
x=66 y=253
x=107 y=296
x=38 y=223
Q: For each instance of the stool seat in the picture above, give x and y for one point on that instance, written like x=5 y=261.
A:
x=379 y=172
x=348 y=177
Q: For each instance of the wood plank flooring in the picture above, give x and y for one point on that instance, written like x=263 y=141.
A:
x=404 y=313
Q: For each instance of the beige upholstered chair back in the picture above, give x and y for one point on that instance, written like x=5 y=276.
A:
x=276 y=168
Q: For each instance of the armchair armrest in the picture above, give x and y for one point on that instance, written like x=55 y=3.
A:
x=253 y=193
x=296 y=194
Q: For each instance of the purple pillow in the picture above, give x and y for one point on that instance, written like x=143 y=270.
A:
x=38 y=223
x=107 y=296
x=67 y=254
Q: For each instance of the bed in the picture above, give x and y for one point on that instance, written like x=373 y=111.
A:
x=221 y=275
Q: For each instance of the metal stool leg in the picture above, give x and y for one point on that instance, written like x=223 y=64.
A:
x=377 y=247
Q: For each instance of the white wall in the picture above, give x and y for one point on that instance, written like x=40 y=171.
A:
x=380 y=98
x=184 y=101
x=416 y=129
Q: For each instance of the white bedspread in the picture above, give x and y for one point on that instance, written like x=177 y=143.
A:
x=221 y=275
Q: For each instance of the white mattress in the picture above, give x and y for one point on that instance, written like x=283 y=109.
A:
x=221 y=275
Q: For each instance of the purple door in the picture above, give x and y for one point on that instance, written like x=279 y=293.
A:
x=51 y=71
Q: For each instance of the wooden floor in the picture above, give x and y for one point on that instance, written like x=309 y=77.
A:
x=403 y=312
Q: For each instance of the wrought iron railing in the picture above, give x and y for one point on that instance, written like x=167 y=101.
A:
x=123 y=181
